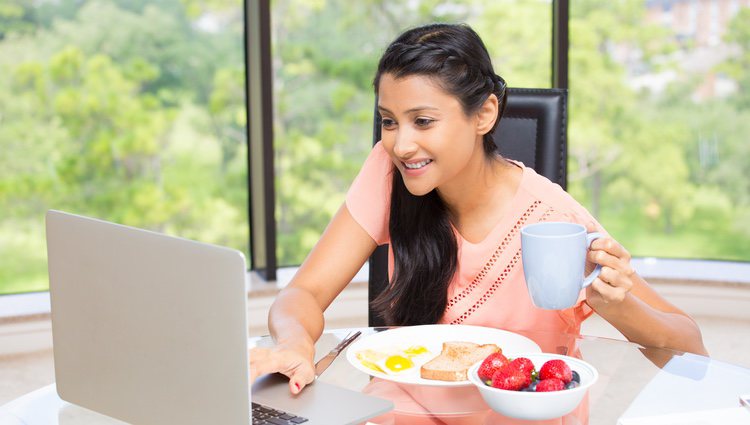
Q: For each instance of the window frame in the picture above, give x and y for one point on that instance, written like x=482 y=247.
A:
x=261 y=184
x=264 y=271
x=258 y=51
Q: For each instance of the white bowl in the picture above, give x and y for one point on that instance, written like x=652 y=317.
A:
x=532 y=405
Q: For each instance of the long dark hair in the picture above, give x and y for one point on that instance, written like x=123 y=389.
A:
x=422 y=238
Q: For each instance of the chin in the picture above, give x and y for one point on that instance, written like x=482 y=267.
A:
x=418 y=191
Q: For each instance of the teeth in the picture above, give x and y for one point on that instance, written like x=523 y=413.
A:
x=417 y=165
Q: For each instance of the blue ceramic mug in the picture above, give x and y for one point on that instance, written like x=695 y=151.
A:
x=554 y=261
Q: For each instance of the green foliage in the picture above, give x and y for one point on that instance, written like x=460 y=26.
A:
x=134 y=111
x=739 y=35
x=663 y=173
x=326 y=56
x=124 y=111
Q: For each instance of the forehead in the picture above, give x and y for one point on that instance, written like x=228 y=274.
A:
x=406 y=92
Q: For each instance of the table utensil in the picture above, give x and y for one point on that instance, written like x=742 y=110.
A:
x=326 y=361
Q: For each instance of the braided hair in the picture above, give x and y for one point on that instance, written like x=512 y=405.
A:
x=424 y=245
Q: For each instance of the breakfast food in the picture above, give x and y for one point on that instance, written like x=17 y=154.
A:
x=551 y=384
x=455 y=359
x=519 y=374
x=510 y=379
x=522 y=365
x=491 y=364
x=393 y=361
x=556 y=369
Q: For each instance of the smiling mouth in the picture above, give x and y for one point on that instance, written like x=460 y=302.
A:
x=417 y=165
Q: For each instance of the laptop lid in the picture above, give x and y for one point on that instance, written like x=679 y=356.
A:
x=147 y=328
x=152 y=329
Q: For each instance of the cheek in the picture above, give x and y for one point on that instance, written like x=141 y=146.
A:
x=461 y=145
x=388 y=140
x=388 y=146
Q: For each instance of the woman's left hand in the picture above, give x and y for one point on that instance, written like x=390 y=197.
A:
x=616 y=278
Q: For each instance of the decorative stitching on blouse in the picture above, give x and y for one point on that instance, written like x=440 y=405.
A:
x=493 y=259
x=488 y=294
x=508 y=268
x=546 y=214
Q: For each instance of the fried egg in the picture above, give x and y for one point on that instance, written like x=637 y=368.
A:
x=394 y=361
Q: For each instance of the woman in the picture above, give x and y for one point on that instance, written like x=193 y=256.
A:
x=452 y=208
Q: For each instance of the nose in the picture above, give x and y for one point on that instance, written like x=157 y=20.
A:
x=404 y=144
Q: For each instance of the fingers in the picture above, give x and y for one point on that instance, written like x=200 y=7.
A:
x=608 y=252
x=610 y=246
x=300 y=378
x=288 y=362
x=611 y=285
x=591 y=227
x=607 y=293
x=261 y=363
x=615 y=279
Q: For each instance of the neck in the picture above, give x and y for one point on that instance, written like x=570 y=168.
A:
x=482 y=186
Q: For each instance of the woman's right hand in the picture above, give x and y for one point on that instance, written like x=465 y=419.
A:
x=296 y=362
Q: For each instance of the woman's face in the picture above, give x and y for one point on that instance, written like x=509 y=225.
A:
x=426 y=133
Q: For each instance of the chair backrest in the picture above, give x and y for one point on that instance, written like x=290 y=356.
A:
x=533 y=130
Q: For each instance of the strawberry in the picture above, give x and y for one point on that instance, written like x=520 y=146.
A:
x=490 y=365
x=511 y=380
x=550 y=384
x=556 y=368
x=523 y=365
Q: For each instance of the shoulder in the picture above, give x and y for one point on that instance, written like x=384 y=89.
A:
x=368 y=198
x=562 y=206
x=378 y=152
x=542 y=189
x=378 y=162
x=377 y=170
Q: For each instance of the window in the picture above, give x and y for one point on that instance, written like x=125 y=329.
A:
x=325 y=55
x=130 y=111
x=658 y=129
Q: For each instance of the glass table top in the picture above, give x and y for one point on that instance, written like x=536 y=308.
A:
x=634 y=383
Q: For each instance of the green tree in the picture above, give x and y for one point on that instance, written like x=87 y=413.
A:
x=739 y=35
x=128 y=111
x=326 y=55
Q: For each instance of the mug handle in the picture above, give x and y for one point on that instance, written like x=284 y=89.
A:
x=590 y=238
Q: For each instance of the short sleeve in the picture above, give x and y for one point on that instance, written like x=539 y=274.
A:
x=369 y=197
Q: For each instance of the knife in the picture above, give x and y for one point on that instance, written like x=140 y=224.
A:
x=326 y=361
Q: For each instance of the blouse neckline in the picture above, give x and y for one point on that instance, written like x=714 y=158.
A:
x=509 y=214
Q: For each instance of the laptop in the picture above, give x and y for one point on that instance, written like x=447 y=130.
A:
x=152 y=329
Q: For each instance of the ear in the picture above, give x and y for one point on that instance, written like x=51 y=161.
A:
x=487 y=115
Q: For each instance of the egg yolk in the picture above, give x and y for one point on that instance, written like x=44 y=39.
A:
x=415 y=351
x=398 y=363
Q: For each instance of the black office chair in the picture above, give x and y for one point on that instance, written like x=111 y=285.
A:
x=533 y=130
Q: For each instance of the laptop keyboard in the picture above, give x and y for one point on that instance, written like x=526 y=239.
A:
x=264 y=415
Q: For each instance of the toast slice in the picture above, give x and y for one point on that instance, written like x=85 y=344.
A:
x=455 y=359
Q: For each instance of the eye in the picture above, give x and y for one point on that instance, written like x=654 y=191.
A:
x=423 y=122
x=388 y=123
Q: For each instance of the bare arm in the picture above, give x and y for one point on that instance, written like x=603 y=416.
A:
x=627 y=301
x=296 y=316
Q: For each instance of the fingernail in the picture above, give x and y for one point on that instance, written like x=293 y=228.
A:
x=297 y=386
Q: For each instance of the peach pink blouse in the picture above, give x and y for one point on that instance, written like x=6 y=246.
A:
x=489 y=287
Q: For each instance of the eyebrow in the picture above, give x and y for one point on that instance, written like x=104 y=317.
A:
x=410 y=110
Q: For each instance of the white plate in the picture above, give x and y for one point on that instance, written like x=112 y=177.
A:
x=432 y=338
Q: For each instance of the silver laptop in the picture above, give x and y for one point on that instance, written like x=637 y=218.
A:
x=152 y=329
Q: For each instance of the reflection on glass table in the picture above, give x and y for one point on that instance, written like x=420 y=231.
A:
x=636 y=386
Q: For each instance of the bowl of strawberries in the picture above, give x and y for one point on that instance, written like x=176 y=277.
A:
x=533 y=386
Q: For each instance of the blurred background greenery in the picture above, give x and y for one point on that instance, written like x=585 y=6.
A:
x=134 y=111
